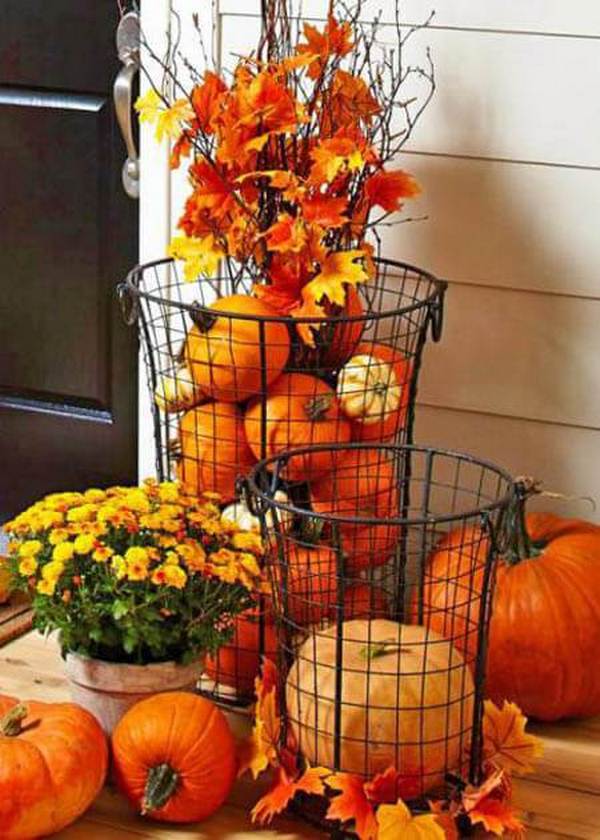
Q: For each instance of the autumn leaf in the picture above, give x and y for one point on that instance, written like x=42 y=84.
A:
x=333 y=155
x=505 y=743
x=325 y=211
x=207 y=99
x=286 y=235
x=336 y=39
x=169 y=119
x=181 y=148
x=338 y=269
x=350 y=100
x=199 y=255
x=391 y=785
x=445 y=815
x=388 y=189
x=283 y=292
x=260 y=750
x=308 y=309
x=283 y=791
x=352 y=804
x=212 y=191
x=267 y=680
x=396 y=821
x=489 y=804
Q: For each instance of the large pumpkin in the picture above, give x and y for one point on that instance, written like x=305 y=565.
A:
x=174 y=757
x=374 y=391
x=362 y=485
x=406 y=700
x=53 y=762
x=545 y=628
x=237 y=663
x=299 y=411
x=231 y=358
x=214 y=451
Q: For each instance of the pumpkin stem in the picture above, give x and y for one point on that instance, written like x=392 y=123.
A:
x=520 y=546
x=161 y=784
x=317 y=407
x=377 y=649
x=11 y=723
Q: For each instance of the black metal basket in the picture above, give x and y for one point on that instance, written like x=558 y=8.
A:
x=233 y=382
x=382 y=585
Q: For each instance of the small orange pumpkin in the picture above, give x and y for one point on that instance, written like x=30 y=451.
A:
x=53 y=763
x=299 y=411
x=5 y=581
x=362 y=485
x=214 y=451
x=237 y=663
x=174 y=757
x=228 y=356
x=307 y=585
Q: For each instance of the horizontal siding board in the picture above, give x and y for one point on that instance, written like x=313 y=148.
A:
x=533 y=356
x=504 y=224
x=566 y=459
x=578 y=18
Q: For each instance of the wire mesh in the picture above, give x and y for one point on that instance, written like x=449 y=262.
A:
x=382 y=584
x=233 y=382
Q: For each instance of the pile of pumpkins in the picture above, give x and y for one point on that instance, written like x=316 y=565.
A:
x=246 y=388
x=173 y=757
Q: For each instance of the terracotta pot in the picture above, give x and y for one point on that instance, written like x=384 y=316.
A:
x=109 y=689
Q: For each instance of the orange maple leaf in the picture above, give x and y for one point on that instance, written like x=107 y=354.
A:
x=396 y=821
x=206 y=100
x=283 y=791
x=265 y=102
x=325 y=211
x=336 y=39
x=505 y=743
x=283 y=292
x=445 y=815
x=350 y=100
x=267 y=680
x=352 y=804
x=181 y=148
x=338 y=269
x=212 y=191
x=389 y=786
x=489 y=804
x=334 y=155
x=286 y=235
x=308 y=309
x=261 y=749
x=388 y=189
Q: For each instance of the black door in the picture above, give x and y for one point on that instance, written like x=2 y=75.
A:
x=68 y=234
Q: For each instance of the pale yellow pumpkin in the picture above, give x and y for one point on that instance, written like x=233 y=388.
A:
x=406 y=701
x=178 y=392
x=239 y=513
x=368 y=389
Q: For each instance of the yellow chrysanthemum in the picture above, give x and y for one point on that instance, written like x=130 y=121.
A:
x=212 y=526
x=94 y=495
x=52 y=571
x=30 y=548
x=168 y=491
x=63 y=551
x=58 y=535
x=28 y=566
x=137 y=571
x=175 y=576
x=167 y=541
x=151 y=521
x=137 y=554
x=106 y=512
x=172 y=558
x=84 y=543
x=248 y=562
x=193 y=556
x=46 y=587
x=81 y=513
x=224 y=557
x=50 y=518
x=247 y=541
x=137 y=501
x=118 y=566
x=102 y=553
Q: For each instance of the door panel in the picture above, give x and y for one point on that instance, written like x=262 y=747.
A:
x=68 y=234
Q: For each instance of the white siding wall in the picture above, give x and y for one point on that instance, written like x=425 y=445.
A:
x=508 y=154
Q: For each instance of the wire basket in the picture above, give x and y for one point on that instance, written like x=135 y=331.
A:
x=382 y=586
x=233 y=382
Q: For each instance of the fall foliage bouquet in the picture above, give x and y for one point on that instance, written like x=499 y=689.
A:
x=292 y=155
x=139 y=575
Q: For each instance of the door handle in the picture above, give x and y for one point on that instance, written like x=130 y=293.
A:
x=128 y=48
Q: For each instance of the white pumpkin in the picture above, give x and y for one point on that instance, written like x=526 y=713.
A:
x=406 y=701
x=239 y=513
x=177 y=392
x=368 y=389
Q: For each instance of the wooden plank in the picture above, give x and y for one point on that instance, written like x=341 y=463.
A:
x=532 y=356
x=581 y=17
x=522 y=447
x=499 y=95
x=558 y=811
x=502 y=224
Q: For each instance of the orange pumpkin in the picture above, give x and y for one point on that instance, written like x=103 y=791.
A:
x=237 y=663
x=362 y=485
x=308 y=585
x=545 y=627
x=53 y=762
x=227 y=357
x=299 y=411
x=5 y=581
x=405 y=700
x=214 y=451
x=336 y=340
x=174 y=757
x=374 y=391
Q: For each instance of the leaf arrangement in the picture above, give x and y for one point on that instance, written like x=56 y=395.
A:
x=373 y=808
x=291 y=156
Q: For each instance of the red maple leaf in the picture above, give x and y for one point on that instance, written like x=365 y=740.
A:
x=283 y=791
x=389 y=786
x=206 y=100
x=325 y=211
x=212 y=191
x=388 y=189
x=352 y=804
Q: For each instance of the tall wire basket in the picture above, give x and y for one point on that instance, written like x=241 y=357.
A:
x=232 y=382
x=382 y=585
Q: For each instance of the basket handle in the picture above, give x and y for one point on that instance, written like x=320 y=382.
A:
x=436 y=312
x=128 y=299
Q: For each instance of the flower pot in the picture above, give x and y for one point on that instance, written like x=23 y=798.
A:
x=109 y=689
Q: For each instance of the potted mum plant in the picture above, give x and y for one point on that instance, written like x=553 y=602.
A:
x=140 y=583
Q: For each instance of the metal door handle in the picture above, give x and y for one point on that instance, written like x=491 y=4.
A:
x=128 y=48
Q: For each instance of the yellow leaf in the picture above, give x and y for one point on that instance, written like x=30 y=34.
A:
x=396 y=821
x=169 y=120
x=339 y=268
x=260 y=749
x=505 y=743
x=199 y=255
x=149 y=106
